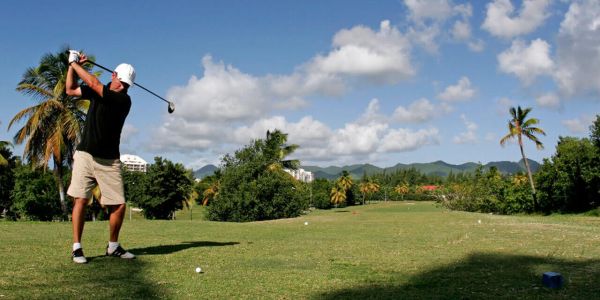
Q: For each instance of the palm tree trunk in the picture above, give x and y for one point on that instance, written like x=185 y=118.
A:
x=61 y=188
x=528 y=173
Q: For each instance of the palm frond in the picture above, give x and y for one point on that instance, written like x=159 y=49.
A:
x=35 y=91
x=529 y=122
x=534 y=139
x=536 y=130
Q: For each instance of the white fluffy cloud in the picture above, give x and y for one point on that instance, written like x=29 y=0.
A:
x=470 y=135
x=578 y=54
x=224 y=93
x=501 y=20
x=213 y=109
x=579 y=125
x=128 y=132
x=548 y=100
x=400 y=140
x=461 y=30
x=527 y=61
x=429 y=9
x=462 y=91
x=417 y=112
x=476 y=45
x=380 y=56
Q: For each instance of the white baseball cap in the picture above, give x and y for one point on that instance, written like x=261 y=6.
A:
x=126 y=73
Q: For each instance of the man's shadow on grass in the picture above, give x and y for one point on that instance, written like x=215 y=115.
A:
x=484 y=276
x=167 y=249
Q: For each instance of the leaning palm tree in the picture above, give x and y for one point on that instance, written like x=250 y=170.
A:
x=210 y=193
x=276 y=150
x=53 y=126
x=519 y=126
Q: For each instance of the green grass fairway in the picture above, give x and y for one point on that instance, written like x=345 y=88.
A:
x=380 y=251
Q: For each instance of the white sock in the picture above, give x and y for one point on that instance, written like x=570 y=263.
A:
x=112 y=246
x=76 y=246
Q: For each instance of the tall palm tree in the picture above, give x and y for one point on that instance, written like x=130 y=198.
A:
x=519 y=126
x=345 y=180
x=276 y=150
x=368 y=187
x=338 y=195
x=53 y=126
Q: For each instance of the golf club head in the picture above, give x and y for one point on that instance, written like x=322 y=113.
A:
x=171 y=108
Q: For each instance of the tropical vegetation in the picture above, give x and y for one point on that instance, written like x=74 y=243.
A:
x=52 y=127
x=254 y=184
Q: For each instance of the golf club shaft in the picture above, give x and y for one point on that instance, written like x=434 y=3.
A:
x=136 y=84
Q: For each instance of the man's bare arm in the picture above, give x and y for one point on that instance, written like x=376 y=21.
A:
x=72 y=88
x=88 y=78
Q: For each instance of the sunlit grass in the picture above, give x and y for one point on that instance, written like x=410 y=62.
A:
x=384 y=250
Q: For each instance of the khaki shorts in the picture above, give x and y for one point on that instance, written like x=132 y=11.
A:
x=89 y=171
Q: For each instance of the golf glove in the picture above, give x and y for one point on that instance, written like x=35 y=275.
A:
x=73 y=56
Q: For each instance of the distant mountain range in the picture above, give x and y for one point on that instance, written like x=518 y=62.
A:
x=439 y=168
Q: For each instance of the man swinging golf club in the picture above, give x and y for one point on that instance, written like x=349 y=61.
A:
x=96 y=159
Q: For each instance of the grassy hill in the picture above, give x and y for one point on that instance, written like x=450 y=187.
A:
x=400 y=250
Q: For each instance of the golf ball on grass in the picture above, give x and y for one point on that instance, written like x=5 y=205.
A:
x=305 y=223
x=198 y=270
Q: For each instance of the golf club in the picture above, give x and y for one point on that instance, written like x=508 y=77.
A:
x=171 y=107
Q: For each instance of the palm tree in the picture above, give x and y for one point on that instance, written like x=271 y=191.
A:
x=345 y=180
x=368 y=187
x=402 y=189
x=338 y=195
x=276 y=150
x=519 y=126
x=53 y=126
x=211 y=192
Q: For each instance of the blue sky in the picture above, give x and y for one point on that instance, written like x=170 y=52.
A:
x=378 y=82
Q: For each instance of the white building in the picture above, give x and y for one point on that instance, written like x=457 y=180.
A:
x=134 y=163
x=301 y=174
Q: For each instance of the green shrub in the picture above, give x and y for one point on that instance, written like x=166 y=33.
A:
x=166 y=187
x=320 y=193
x=570 y=180
x=35 y=195
x=254 y=187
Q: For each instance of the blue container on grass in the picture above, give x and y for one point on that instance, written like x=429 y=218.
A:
x=552 y=280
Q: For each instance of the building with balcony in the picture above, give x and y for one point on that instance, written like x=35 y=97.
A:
x=301 y=175
x=134 y=163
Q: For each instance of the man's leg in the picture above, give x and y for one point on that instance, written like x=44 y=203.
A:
x=78 y=217
x=117 y=214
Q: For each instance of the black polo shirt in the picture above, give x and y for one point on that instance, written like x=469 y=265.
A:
x=104 y=122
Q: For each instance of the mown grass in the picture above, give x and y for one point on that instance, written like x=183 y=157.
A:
x=380 y=251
